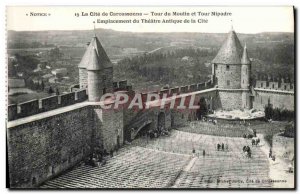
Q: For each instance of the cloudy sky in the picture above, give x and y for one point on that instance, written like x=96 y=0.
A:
x=244 y=19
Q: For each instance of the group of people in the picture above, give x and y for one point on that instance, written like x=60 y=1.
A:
x=194 y=152
x=248 y=135
x=271 y=155
x=156 y=133
x=247 y=151
x=210 y=120
x=99 y=156
x=222 y=147
x=255 y=141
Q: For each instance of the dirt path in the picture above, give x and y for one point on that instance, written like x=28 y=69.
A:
x=278 y=168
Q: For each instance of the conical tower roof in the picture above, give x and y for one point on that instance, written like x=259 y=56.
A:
x=231 y=50
x=103 y=59
x=245 y=60
x=93 y=63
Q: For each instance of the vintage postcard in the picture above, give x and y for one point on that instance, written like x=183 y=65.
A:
x=182 y=97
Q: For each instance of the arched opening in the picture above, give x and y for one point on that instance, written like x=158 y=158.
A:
x=33 y=182
x=161 y=124
x=203 y=110
x=143 y=131
x=118 y=141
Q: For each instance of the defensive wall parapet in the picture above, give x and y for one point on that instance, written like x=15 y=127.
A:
x=36 y=106
x=273 y=85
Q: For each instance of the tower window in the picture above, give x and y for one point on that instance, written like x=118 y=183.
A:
x=285 y=87
x=227 y=67
x=228 y=82
x=261 y=84
x=272 y=85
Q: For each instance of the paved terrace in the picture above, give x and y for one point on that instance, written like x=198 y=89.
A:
x=168 y=162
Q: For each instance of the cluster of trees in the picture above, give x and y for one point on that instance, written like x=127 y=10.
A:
x=54 y=54
x=25 y=64
x=40 y=86
x=51 y=91
x=167 y=67
x=37 y=86
x=273 y=60
x=282 y=53
x=19 y=45
x=289 y=130
x=278 y=114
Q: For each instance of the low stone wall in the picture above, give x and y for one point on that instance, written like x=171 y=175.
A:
x=67 y=99
x=12 y=111
x=29 y=108
x=236 y=121
x=81 y=96
x=49 y=103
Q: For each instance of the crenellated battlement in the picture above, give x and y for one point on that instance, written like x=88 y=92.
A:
x=274 y=85
x=36 y=106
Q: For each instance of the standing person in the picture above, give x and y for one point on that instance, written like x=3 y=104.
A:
x=270 y=153
x=222 y=146
x=226 y=147
x=194 y=151
x=203 y=153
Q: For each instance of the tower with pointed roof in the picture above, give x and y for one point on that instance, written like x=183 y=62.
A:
x=95 y=71
x=245 y=79
x=231 y=70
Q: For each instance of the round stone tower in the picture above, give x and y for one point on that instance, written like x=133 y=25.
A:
x=245 y=79
x=246 y=70
x=95 y=71
x=95 y=84
x=83 y=71
x=227 y=63
x=231 y=74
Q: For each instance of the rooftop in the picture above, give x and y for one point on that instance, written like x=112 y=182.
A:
x=231 y=50
x=101 y=55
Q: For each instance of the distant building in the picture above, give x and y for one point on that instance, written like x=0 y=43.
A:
x=186 y=58
x=60 y=72
x=16 y=83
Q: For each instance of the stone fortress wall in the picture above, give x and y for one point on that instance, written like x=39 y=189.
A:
x=60 y=131
x=37 y=106
x=48 y=136
x=279 y=94
x=273 y=85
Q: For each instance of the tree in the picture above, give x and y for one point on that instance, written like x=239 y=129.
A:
x=50 y=91
x=57 y=91
x=42 y=86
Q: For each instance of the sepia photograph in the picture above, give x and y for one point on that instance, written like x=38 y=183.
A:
x=141 y=97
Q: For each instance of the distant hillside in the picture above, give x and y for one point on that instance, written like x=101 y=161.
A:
x=274 y=51
x=115 y=41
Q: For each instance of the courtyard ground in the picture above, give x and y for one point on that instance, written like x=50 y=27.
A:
x=169 y=162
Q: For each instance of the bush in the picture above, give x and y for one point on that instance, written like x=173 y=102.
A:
x=278 y=114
